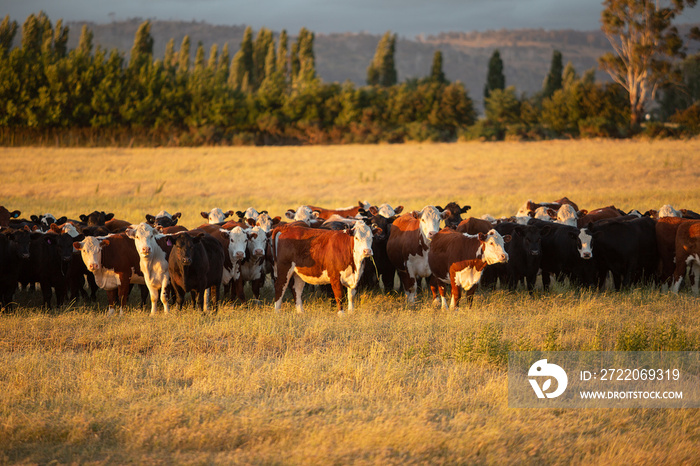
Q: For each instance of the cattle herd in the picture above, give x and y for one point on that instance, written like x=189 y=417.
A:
x=359 y=247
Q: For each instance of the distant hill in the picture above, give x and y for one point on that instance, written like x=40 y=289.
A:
x=526 y=53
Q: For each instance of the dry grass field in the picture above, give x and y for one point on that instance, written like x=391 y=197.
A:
x=390 y=384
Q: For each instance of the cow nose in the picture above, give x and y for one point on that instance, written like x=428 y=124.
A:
x=587 y=255
x=504 y=257
x=94 y=266
x=186 y=261
x=535 y=252
x=240 y=254
x=367 y=252
x=258 y=252
x=25 y=255
x=431 y=234
x=145 y=250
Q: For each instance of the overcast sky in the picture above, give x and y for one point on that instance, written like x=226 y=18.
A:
x=408 y=18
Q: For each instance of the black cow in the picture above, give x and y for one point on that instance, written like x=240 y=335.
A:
x=96 y=218
x=14 y=249
x=455 y=216
x=524 y=256
x=385 y=270
x=50 y=255
x=626 y=248
x=196 y=264
x=564 y=254
x=163 y=219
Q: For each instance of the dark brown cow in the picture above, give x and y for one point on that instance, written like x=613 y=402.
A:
x=196 y=265
x=455 y=214
x=666 y=230
x=6 y=215
x=474 y=225
x=163 y=219
x=96 y=218
x=599 y=214
x=687 y=254
x=117 y=226
x=459 y=259
x=115 y=263
x=320 y=257
x=409 y=243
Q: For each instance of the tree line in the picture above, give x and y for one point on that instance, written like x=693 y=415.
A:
x=268 y=92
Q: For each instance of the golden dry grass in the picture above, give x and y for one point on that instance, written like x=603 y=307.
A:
x=388 y=385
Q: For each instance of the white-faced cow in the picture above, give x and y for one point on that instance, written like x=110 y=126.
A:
x=114 y=262
x=153 y=262
x=566 y=215
x=668 y=211
x=409 y=243
x=320 y=257
x=385 y=210
x=304 y=214
x=216 y=215
x=459 y=259
x=253 y=268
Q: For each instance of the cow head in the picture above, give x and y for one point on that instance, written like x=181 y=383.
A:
x=6 y=215
x=385 y=210
x=96 y=218
x=566 y=215
x=64 y=245
x=91 y=251
x=669 y=211
x=21 y=239
x=381 y=227
x=163 y=219
x=362 y=243
x=237 y=244
x=430 y=218
x=545 y=213
x=265 y=222
x=257 y=242
x=303 y=214
x=250 y=212
x=531 y=238
x=493 y=247
x=454 y=216
x=144 y=236
x=216 y=215
x=584 y=241
x=184 y=248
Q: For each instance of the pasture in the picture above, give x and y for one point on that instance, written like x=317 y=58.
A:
x=390 y=384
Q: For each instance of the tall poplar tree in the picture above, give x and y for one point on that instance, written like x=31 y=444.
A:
x=382 y=70
x=436 y=73
x=495 y=79
x=142 y=50
x=553 y=80
x=183 y=60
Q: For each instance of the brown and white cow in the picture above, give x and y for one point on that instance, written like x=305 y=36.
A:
x=234 y=243
x=459 y=259
x=114 y=262
x=253 y=268
x=304 y=214
x=566 y=215
x=320 y=257
x=153 y=262
x=687 y=254
x=216 y=215
x=409 y=243
x=385 y=210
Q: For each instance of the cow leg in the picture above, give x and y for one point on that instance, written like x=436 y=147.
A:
x=338 y=294
x=257 y=285
x=456 y=294
x=351 y=295
x=434 y=285
x=470 y=295
x=154 y=294
x=545 y=280
x=46 y=293
x=164 y=297
x=281 y=283
x=409 y=286
x=124 y=289
x=111 y=299
x=205 y=300
x=298 y=288
x=179 y=296
x=215 y=297
x=695 y=274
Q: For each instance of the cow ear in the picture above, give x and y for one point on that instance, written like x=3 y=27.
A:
x=104 y=242
x=130 y=232
x=62 y=220
x=482 y=237
x=177 y=215
x=204 y=214
x=240 y=214
x=55 y=228
x=229 y=213
x=377 y=230
x=415 y=214
x=315 y=213
x=507 y=238
x=109 y=216
x=581 y=212
x=465 y=209
x=84 y=218
x=373 y=210
x=398 y=210
x=444 y=214
x=150 y=219
x=34 y=218
x=290 y=214
x=250 y=222
x=15 y=214
x=77 y=245
x=439 y=208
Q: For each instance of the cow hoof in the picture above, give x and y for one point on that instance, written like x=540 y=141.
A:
x=436 y=302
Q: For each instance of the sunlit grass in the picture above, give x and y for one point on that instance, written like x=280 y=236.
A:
x=391 y=384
